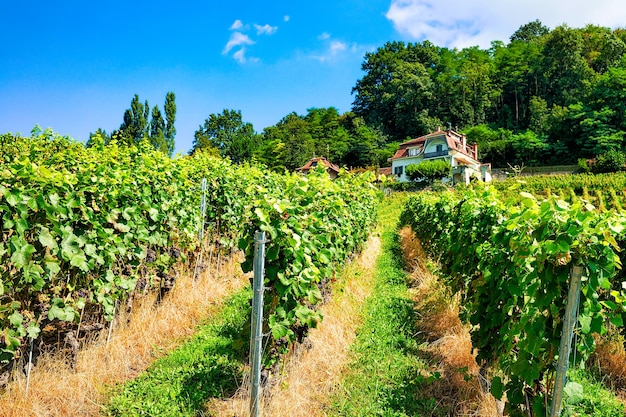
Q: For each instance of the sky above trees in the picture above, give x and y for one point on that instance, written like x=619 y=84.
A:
x=75 y=66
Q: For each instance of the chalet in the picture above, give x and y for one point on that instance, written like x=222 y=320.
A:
x=331 y=169
x=442 y=144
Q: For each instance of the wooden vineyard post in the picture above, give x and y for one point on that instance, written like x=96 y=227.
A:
x=256 y=334
x=571 y=312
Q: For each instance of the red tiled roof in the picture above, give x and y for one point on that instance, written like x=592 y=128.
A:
x=320 y=161
x=401 y=153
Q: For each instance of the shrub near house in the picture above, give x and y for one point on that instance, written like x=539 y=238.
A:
x=428 y=170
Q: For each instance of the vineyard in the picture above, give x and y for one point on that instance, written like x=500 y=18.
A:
x=85 y=229
x=604 y=191
x=509 y=255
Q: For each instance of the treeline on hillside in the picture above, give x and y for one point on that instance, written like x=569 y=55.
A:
x=344 y=139
x=546 y=97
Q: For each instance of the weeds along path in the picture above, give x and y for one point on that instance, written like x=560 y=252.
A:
x=134 y=343
x=316 y=369
x=314 y=373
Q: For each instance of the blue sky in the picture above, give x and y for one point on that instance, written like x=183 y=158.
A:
x=74 y=66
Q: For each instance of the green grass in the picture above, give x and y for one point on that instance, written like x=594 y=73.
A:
x=210 y=365
x=386 y=371
x=596 y=401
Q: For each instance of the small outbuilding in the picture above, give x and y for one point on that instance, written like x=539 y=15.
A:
x=331 y=169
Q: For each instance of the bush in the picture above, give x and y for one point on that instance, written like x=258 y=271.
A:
x=610 y=161
x=583 y=165
x=429 y=170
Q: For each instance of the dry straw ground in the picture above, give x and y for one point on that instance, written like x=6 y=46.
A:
x=461 y=387
x=150 y=331
x=307 y=378
x=610 y=358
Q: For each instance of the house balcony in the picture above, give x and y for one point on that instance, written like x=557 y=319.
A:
x=435 y=154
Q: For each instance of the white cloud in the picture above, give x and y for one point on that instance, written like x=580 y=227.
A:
x=237 y=39
x=265 y=29
x=333 y=49
x=462 y=23
x=286 y=18
x=337 y=46
x=323 y=36
x=237 y=24
x=240 y=56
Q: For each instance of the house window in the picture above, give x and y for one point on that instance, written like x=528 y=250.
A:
x=439 y=149
x=413 y=151
x=398 y=170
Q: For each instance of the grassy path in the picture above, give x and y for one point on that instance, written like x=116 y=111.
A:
x=387 y=367
x=208 y=366
x=391 y=344
x=315 y=370
x=362 y=360
x=211 y=364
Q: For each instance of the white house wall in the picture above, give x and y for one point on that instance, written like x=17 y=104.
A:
x=404 y=162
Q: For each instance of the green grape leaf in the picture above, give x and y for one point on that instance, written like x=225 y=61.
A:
x=573 y=392
x=46 y=239
x=497 y=387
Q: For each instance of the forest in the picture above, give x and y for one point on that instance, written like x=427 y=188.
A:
x=548 y=96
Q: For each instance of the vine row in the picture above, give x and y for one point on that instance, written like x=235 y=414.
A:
x=510 y=260
x=82 y=228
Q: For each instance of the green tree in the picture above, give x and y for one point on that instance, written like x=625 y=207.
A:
x=566 y=74
x=476 y=89
x=539 y=115
x=610 y=91
x=227 y=132
x=157 y=134
x=98 y=139
x=323 y=124
x=517 y=74
x=602 y=48
x=291 y=142
x=365 y=142
x=135 y=126
x=530 y=149
x=494 y=145
x=396 y=92
x=139 y=124
x=530 y=32
x=170 y=118
x=611 y=161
